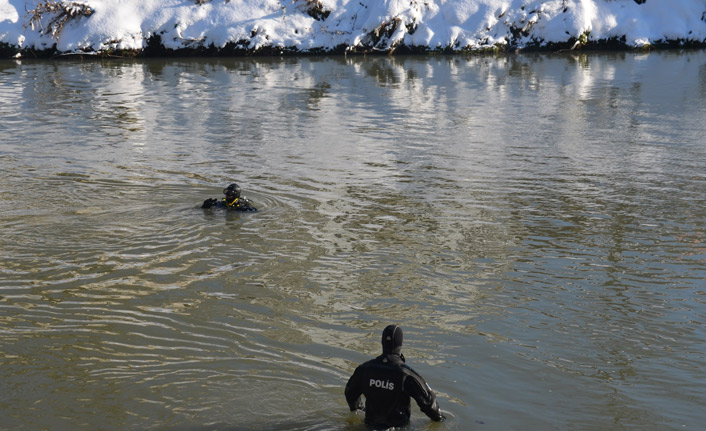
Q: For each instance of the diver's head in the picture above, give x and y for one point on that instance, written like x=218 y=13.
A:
x=392 y=339
x=232 y=192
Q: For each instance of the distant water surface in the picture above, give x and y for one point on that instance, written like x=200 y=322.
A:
x=535 y=223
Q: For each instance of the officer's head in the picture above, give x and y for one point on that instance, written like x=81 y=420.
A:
x=232 y=191
x=392 y=339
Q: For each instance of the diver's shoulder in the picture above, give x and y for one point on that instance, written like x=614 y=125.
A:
x=246 y=205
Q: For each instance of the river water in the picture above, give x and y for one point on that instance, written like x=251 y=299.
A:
x=535 y=223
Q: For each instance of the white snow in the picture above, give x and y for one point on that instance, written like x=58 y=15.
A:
x=355 y=24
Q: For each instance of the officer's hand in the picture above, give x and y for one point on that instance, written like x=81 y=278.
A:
x=360 y=405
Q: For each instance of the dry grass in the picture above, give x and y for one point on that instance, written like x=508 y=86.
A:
x=58 y=13
x=314 y=8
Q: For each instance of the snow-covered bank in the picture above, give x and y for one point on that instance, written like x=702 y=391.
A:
x=320 y=26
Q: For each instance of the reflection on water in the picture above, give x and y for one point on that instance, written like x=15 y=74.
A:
x=533 y=222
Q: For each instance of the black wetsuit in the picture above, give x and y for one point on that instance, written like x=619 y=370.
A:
x=388 y=385
x=240 y=204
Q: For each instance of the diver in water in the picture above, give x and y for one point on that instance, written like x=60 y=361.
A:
x=388 y=385
x=232 y=201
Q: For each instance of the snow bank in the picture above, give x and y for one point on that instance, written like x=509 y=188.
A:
x=99 y=26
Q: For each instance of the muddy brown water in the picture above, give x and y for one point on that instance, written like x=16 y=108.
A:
x=535 y=223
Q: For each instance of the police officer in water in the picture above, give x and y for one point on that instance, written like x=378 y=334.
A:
x=388 y=385
x=232 y=201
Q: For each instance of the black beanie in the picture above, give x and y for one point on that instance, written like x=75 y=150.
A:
x=392 y=339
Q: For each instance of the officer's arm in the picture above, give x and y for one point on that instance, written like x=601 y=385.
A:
x=353 y=392
x=418 y=389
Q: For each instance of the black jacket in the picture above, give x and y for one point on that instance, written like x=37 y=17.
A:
x=240 y=204
x=389 y=385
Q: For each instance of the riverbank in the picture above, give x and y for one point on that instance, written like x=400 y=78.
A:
x=150 y=28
